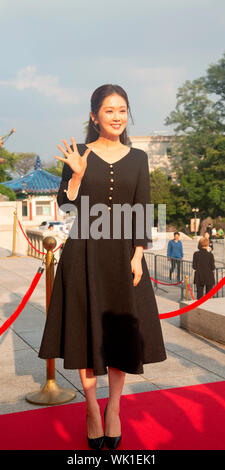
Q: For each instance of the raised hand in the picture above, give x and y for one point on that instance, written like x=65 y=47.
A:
x=72 y=157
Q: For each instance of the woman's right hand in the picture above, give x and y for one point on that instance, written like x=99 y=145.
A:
x=72 y=158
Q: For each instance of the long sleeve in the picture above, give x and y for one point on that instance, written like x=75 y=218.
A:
x=142 y=232
x=66 y=191
x=169 y=249
x=62 y=197
x=212 y=262
x=181 y=249
x=194 y=261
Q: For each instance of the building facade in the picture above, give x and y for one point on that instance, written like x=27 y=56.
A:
x=37 y=190
x=157 y=148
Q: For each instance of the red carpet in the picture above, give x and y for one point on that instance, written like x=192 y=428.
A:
x=183 y=418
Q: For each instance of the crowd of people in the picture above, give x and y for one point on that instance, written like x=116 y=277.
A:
x=214 y=233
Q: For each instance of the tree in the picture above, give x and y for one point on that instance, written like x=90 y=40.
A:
x=8 y=166
x=212 y=169
x=163 y=191
x=197 y=149
x=215 y=84
x=195 y=119
x=24 y=162
x=55 y=170
x=8 y=192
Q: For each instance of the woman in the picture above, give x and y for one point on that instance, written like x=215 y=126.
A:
x=103 y=313
x=204 y=265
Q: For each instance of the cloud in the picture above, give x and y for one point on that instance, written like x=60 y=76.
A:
x=47 y=85
x=159 y=83
x=158 y=73
x=159 y=77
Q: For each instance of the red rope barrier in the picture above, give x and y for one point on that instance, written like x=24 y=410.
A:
x=166 y=284
x=175 y=313
x=194 y=304
x=42 y=253
x=189 y=287
x=25 y=299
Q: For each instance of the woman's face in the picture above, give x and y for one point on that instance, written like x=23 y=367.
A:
x=112 y=116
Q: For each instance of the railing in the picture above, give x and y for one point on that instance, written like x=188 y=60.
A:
x=159 y=268
x=37 y=241
x=219 y=274
x=219 y=250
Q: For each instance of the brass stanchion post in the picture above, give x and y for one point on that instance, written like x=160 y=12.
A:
x=51 y=393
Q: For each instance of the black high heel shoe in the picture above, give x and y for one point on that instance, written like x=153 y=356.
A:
x=111 y=442
x=97 y=442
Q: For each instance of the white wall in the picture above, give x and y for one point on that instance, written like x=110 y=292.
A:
x=7 y=209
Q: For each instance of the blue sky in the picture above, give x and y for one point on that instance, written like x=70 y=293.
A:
x=55 y=53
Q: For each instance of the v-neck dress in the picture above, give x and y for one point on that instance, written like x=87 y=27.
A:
x=96 y=317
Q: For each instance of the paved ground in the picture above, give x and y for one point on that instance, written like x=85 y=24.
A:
x=191 y=359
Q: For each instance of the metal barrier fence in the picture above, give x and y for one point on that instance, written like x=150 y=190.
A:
x=219 y=250
x=159 y=267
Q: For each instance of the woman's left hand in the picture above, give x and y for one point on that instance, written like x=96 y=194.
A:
x=136 y=267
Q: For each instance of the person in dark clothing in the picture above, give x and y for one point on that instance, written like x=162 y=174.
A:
x=204 y=265
x=209 y=230
x=103 y=316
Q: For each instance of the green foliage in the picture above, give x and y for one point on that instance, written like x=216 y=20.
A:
x=8 y=192
x=55 y=170
x=18 y=162
x=8 y=166
x=194 y=111
x=197 y=152
x=215 y=83
x=163 y=191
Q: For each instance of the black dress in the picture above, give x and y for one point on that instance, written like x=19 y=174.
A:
x=96 y=317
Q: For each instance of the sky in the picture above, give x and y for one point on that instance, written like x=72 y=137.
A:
x=55 y=53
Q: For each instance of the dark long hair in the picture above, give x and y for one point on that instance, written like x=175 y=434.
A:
x=96 y=101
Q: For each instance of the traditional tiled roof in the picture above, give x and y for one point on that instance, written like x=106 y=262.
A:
x=35 y=181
